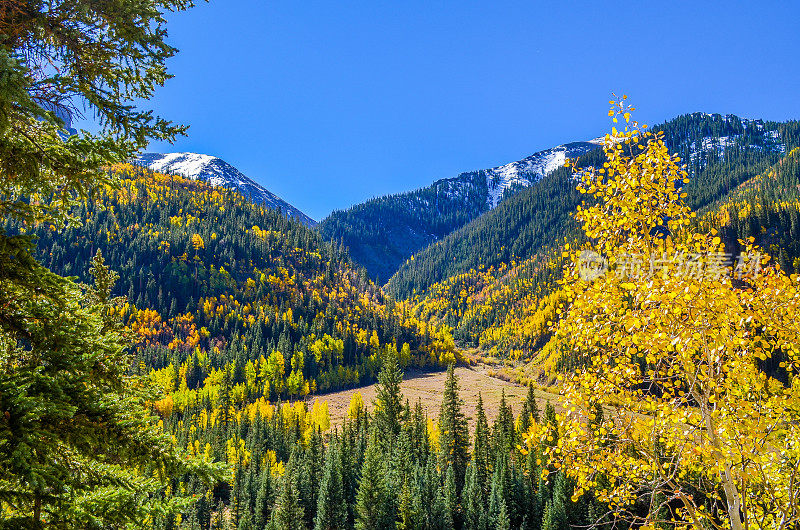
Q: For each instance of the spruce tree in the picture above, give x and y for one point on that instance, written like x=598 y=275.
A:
x=371 y=496
x=533 y=407
x=78 y=444
x=503 y=520
x=473 y=501
x=451 y=496
x=331 y=505
x=408 y=514
x=551 y=422
x=388 y=401
x=79 y=447
x=436 y=514
x=453 y=432
x=264 y=498
x=530 y=410
x=288 y=513
x=500 y=494
x=504 y=430
x=482 y=454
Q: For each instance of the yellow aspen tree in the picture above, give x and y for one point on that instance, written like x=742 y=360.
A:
x=674 y=419
x=357 y=407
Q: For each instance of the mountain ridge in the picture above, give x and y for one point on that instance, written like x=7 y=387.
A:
x=218 y=172
x=383 y=232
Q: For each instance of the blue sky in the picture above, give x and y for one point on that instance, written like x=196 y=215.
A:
x=330 y=103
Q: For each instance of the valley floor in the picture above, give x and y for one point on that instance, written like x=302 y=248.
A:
x=428 y=387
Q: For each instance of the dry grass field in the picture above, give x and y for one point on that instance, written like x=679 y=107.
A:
x=428 y=386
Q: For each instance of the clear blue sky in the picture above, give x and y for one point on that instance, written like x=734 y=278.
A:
x=330 y=103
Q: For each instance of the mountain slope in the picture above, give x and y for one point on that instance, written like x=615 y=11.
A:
x=219 y=173
x=721 y=152
x=383 y=232
x=493 y=281
x=214 y=280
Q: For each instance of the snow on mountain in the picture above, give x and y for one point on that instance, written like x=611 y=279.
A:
x=218 y=172
x=724 y=132
x=514 y=175
x=528 y=170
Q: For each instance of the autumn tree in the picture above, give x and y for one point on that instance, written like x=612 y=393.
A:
x=694 y=431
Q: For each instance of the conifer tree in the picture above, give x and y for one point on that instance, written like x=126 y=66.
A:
x=80 y=446
x=482 y=452
x=264 y=499
x=500 y=494
x=76 y=420
x=554 y=517
x=453 y=432
x=288 y=513
x=388 y=402
x=371 y=497
x=530 y=410
x=436 y=514
x=331 y=506
x=408 y=514
x=419 y=435
x=503 y=521
x=473 y=501
x=451 y=496
x=504 y=430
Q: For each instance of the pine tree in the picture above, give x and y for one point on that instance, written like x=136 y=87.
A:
x=245 y=522
x=434 y=507
x=65 y=387
x=473 y=501
x=371 y=497
x=451 y=495
x=331 y=506
x=408 y=514
x=454 y=433
x=264 y=499
x=482 y=454
x=389 y=401
x=554 y=517
x=551 y=422
x=503 y=521
x=288 y=513
x=82 y=446
x=500 y=494
x=530 y=410
x=504 y=430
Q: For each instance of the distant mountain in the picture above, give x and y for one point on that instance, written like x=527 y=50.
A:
x=721 y=152
x=383 y=232
x=494 y=280
x=219 y=173
x=525 y=172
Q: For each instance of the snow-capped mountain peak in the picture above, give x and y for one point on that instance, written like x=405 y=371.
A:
x=218 y=172
x=530 y=169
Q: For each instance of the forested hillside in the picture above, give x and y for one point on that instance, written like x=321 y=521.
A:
x=525 y=224
x=213 y=280
x=721 y=152
x=166 y=344
x=384 y=231
x=744 y=182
